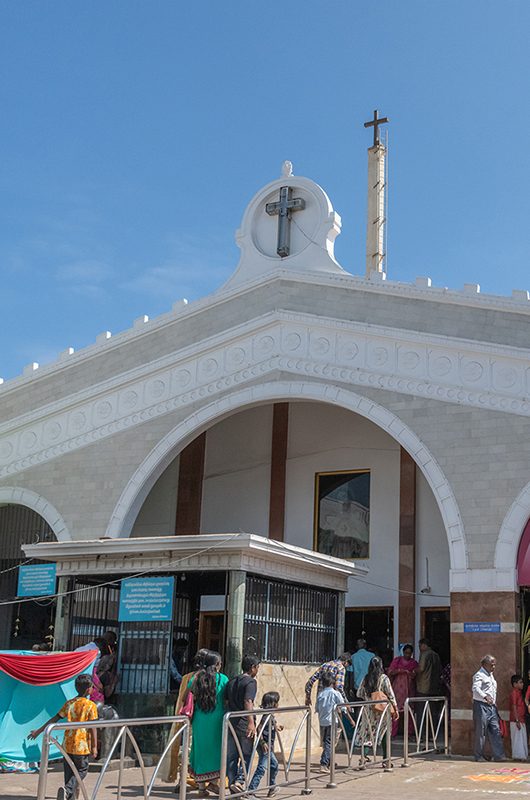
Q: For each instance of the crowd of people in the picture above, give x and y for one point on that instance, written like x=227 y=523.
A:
x=205 y=694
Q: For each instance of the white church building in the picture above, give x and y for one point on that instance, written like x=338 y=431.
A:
x=312 y=456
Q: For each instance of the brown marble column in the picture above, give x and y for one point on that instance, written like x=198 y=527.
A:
x=189 y=492
x=407 y=547
x=280 y=430
x=467 y=650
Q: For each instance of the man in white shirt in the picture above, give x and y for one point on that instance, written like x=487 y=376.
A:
x=485 y=714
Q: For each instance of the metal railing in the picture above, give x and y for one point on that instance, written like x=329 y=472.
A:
x=428 y=732
x=265 y=722
x=368 y=730
x=124 y=736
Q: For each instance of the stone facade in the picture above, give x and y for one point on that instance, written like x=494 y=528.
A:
x=446 y=374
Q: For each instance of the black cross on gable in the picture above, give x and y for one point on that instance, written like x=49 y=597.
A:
x=375 y=123
x=284 y=208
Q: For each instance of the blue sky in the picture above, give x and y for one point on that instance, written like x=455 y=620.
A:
x=134 y=133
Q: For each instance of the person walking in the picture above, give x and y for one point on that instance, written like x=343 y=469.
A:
x=327 y=699
x=428 y=675
x=402 y=674
x=371 y=727
x=359 y=664
x=208 y=689
x=267 y=732
x=337 y=668
x=78 y=743
x=485 y=714
x=171 y=767
x=240 y=696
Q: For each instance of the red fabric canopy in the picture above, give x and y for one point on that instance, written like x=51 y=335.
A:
x=45 y=668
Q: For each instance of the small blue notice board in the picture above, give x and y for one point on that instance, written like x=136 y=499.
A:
x=36 y=580
x=146 y=600
x=482 y=627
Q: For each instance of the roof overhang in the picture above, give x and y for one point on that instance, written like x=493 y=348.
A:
x=201 y=553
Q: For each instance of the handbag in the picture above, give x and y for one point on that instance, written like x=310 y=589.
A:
x=504 y=728
x=188 y=705
x=383 y=701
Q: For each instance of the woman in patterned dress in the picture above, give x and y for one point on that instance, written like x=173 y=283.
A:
x=375 y=682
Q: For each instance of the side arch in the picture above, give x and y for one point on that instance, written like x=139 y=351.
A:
x=30 y=499
x=160 y=457
x=511 y=531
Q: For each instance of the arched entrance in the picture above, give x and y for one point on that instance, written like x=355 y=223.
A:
x=23 y=625
x=330 y=439
x=144 y=478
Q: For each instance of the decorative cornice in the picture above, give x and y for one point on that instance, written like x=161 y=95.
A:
x=422 y=289
x=205 y=552
x=434 y=367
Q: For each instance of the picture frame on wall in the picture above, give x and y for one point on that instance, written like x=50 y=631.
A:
x=342 y=514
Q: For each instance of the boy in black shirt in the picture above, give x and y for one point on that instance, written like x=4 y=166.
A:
x=240 y=695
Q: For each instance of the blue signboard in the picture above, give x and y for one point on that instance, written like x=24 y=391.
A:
x=36 y=580
x=146 y=600
x=482 y=627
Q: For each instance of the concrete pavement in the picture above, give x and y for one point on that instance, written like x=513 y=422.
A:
x=435 y=778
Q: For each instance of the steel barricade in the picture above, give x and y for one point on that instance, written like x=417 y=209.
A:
x=372 y=723
x=124 y=735
x=265 y=723
x=427 y=733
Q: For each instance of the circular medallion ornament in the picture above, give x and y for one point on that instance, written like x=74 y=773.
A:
x=6 y=449
x=157 y=388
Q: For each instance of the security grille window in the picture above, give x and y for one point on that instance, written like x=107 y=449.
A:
x=289 y=623
x=146 y=651
x=94 y=610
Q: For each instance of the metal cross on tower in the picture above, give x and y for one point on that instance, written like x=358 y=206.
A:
x=375 y=123
x=284 y=208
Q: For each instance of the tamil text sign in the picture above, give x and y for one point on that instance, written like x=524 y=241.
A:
x=146 y=600
x=36 y=580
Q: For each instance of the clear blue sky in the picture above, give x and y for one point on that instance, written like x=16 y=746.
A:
x=134 y=133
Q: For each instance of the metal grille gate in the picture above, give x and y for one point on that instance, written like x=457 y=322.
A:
x=285 y=622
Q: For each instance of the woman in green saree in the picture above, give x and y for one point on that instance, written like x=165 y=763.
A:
x=208 y=688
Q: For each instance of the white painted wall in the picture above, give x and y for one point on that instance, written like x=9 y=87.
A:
x=323 y=438
x=431 y=543
x=236 y=483
x=157 y=515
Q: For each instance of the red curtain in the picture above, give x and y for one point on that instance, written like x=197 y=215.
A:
x=43 y=669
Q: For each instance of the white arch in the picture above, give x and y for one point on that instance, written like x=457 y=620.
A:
x=160 y=457
x=511 y=531
x=30 y=499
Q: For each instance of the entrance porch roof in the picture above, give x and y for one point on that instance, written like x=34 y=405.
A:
x=198 y=553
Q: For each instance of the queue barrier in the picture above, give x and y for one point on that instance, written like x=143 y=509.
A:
x=428 y=733
x=358 y=717
x=286 y=762
x=124 y=735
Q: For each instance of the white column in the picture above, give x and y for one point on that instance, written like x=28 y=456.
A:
x=375 y=226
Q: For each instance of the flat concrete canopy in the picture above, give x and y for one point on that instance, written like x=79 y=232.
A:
x=198 y=553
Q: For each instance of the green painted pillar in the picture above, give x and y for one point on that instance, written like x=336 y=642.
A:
x=234 y=621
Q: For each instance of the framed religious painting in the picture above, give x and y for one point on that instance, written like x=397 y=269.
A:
x=342 y=514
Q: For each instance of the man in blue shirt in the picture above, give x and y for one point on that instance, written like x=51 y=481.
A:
x=359 y=663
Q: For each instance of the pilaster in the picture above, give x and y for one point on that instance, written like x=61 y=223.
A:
x=468 y=649
x=235 y=621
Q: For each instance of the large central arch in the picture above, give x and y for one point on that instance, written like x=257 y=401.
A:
x=160 y=457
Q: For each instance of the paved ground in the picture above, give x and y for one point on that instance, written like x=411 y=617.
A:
x=433 y=778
